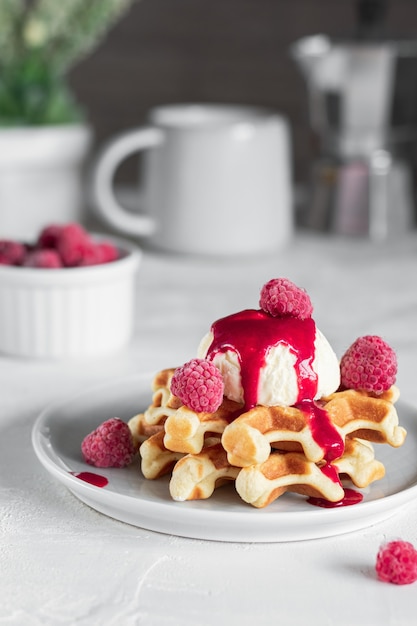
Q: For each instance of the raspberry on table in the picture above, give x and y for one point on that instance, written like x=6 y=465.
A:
x=396 y=563
x=110 y=445
x=11 y=252
x=47 y=258
x=281 y=298
x=370 y=364
x=199 y=385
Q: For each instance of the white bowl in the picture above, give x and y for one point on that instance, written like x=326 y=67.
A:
x=70 y=312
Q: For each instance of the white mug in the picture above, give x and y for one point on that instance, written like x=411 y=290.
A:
x=216 y=180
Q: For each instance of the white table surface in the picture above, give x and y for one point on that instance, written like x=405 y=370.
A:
x=64 y=563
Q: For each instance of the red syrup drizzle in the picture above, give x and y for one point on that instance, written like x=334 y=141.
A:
x=351 y=497
x=250 y=334
x=91 y=478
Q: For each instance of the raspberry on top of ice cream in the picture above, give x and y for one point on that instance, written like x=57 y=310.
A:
x=281 y=298
x=274 y=356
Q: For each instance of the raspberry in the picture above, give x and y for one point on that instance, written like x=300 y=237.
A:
x=72 y=243
x=108 y=251
x=49 y=236
x=58 y=245
x=11 y=252
x=110 y=445
x=199 y=385
x=43 y=258
x=396 y=563
x=370 y=364
x=281 y=298
x=91 y=255
x=96 y=254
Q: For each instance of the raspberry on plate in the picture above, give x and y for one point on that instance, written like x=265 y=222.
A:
x=199 y=385
x=282 y=298
x=110 y=445
x=396 y=563
x=370 y=364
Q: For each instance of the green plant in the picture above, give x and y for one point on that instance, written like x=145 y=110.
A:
x=40 y=40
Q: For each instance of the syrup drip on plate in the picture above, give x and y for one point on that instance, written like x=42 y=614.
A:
x=250 y=334
x=91 y=478
x=351 y=497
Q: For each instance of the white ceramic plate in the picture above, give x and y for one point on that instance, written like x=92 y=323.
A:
x=128 y=497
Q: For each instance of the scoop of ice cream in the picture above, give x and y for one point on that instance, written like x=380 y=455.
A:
x=284 y=360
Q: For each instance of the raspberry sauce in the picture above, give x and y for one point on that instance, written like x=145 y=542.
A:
x=91 y=478
x=250 y=334
x=322 y=430
x=351 y=497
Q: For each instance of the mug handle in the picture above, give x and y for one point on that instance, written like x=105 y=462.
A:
x=105 y=168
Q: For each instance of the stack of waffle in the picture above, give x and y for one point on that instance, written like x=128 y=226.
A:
x=265 y=451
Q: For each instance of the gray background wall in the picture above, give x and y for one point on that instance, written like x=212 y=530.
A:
x=213 y=51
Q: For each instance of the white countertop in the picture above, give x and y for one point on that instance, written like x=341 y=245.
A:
x=64 y=563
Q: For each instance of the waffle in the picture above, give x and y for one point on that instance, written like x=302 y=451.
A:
x=358 y=463
x=266 y=451
x=367 y=416
x=164 y=404
x=260 y=485
x=156 y=459
x=185 y=429
x=141 y=430
x=196 y=476
x=248 y=438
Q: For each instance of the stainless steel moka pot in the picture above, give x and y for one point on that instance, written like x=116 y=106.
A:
x=363 y=108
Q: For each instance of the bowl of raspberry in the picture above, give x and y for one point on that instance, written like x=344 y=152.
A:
x=70 y=293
